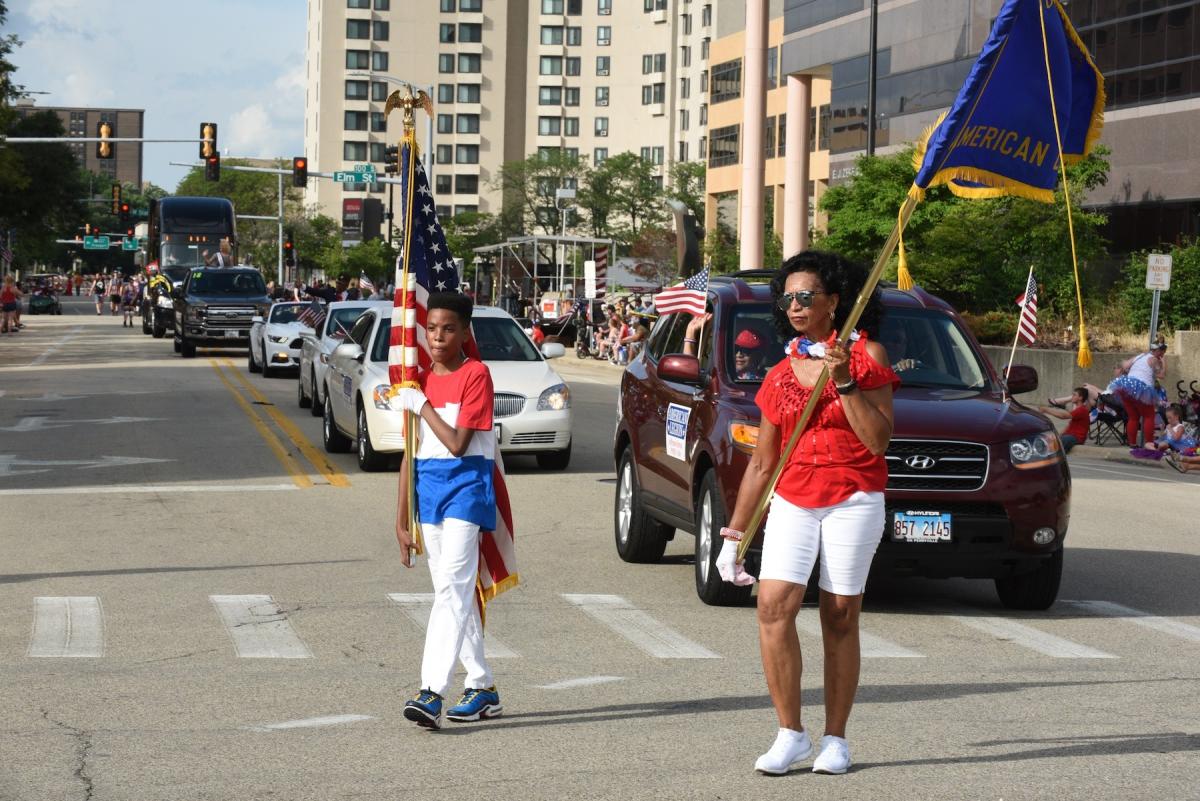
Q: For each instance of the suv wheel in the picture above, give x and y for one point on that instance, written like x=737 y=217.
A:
x=555 y=460
x=187 y=349
x=318 y=407
x=639 y=537
x=1034 y=591
x=333 y=440
x=251 y=365
x=369 y=460
x=710 y=518
x=302 y=400
x=178 y=343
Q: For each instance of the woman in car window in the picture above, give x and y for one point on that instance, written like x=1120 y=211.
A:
x=828 y=502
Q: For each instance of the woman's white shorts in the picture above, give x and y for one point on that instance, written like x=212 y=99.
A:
x=845 y=536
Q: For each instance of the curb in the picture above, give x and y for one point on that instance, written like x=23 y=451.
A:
x=1119 y=455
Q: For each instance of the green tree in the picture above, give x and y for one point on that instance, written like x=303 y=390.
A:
x=470 y=230
x=318 y=241
x=374 y=257
x=1179 y=308
x=528 y=188
x=687 y=186
x=625 y=187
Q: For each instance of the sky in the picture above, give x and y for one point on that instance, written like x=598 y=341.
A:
x=238 y=63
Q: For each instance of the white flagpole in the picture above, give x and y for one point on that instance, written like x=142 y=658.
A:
x=1013 y=354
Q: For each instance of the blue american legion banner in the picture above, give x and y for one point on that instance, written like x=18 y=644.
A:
x=999 y=138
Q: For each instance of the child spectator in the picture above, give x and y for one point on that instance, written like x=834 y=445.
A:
x=1175 y=436
x=455 y=500
x=1079 y=415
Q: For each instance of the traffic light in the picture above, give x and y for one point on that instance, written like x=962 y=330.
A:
x=92 y=230
x=212 y=167
x=104 y=148
x=124 y=212
x=116 y=198
x=391 y=160
x=129 y=232
x=289 y=250
x=208 y=130
x=299 y=171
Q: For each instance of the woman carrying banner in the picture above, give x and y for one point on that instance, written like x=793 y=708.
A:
x=829 y=499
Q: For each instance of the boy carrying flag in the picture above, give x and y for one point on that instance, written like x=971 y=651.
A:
x=456 y=500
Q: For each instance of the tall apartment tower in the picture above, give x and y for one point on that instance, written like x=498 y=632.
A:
x=508 y=78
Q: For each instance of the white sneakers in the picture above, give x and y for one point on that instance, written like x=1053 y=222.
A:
x=834 y=757
x=791 y=748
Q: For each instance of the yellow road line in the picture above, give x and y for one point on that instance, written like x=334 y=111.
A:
x=334 y=476
x=299 y=476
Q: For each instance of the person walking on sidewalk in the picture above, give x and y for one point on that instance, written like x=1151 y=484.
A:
x=456 y=500
x=10 y=305
x=98 y=293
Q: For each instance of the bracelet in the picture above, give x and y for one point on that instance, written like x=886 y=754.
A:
x=731 y=534
x=687 y=341
x=846 y=389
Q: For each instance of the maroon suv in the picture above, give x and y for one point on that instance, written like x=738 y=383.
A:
x=977 y=483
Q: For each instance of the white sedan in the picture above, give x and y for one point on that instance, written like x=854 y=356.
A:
x=275 y=340
x=316 y=347
x=532 y=411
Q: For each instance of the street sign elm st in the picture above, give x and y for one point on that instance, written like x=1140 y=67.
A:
x=96 y=243
x=354 y=177
x=1158 y=271
x=365 y=168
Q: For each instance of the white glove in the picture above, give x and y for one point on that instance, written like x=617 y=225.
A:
x=730 y=569
x=409 y=400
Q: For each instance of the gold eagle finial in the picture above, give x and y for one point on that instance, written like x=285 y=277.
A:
x=408 y=101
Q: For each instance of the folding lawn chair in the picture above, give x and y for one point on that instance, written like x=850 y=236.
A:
x=1109 y=423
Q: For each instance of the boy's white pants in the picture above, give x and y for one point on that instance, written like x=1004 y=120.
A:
x=455 y=631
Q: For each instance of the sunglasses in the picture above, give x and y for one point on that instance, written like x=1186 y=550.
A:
x=804 y=297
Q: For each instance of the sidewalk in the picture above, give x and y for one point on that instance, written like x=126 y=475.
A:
x=1113 y=453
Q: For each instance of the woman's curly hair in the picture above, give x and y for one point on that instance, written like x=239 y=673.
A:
x=839 y=276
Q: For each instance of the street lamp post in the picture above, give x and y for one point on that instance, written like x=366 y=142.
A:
x=872 y=58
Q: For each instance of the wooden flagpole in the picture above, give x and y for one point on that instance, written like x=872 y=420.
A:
x=1017 y=337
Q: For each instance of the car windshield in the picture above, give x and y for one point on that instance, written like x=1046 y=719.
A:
x=184 y=254
x=285 y=312
x=500 y=339
x=926 y=348
x=341 y=321
x=227 y=282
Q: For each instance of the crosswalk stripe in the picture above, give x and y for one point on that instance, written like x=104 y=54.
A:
x=417 y=605
x=1165 y=625
x=259 y=628
x=870 y=645
x=1031 y=638
x=655 y=638
x=67 y=626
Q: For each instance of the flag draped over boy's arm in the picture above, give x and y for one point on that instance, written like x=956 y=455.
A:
x=1033 y=93
x=425 y=265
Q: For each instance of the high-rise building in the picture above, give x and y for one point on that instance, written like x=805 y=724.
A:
x=509 y=78
x=126 y=164
x=1149 y=53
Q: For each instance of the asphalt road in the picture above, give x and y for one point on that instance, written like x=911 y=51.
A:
x=195 y=603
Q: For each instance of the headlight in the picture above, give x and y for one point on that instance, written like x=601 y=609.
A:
x=324 y=358
x=196 y=312
x=380 y=395
x=263 y=310
x=744 y=434
x=1038 y=450
x=163 y=301
x=278 y=340
x=555 y=398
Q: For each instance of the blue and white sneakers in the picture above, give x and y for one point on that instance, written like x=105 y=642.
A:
x=425 y=709
x=476 y=704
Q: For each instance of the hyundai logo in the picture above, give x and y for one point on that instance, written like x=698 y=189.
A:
x=920 y=462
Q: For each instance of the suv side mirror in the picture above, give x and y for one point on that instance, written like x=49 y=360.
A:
x=256 y=319
x=680 y=368
x=1022 y=378
x=348 y=350
x=177 y=292
x=553 y=350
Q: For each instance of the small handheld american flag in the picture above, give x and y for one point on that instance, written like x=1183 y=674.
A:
x=366 y=284
x=313 y=315
x=1027 y=325
x=688 y=296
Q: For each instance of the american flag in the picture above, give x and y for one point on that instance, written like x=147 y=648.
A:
x=600 y=256
x=366 y=284
x=313 y=315
x=688 y=296
x=431 y=268
x=1027 y=325
x=6 y=255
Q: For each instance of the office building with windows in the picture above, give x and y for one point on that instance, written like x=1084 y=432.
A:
x=509 y=78
x=126 y=164
x=1148 y=51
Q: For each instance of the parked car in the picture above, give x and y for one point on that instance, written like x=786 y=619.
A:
x=977 y=487
x=215 y=305
x=317 y=346
x=532 y=407
x=275 y=339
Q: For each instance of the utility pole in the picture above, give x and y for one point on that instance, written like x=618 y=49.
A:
x=279 y=256
x=872 y=77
